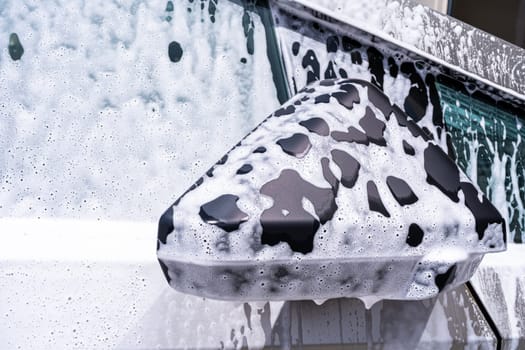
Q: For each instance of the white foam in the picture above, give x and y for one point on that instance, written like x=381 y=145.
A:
x=435 y=213
x=355 y=232
x=96 y=120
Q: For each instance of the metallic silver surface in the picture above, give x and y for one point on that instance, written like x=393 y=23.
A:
x=438 y=5
x=500 y=284
x=452 y=320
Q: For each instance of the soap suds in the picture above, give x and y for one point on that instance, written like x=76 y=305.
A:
x=97 y=121
x=298 y=226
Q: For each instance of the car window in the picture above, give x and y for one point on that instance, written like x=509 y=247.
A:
x=109 y=111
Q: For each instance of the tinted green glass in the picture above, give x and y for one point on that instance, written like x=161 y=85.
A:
x=488 y=145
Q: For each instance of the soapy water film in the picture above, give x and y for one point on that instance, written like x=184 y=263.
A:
x=317 y=51
x=109 y=104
